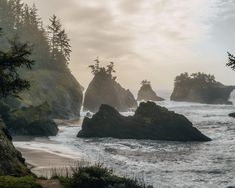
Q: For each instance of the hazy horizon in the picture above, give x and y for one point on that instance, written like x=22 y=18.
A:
x=154 y=40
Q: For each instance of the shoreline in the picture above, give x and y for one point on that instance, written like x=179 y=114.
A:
x=46 y=164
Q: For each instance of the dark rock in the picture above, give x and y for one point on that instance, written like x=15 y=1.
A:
x=103 y=89
x=31 y=121
x=232 y=115
x=150 y=121
x=201 y=88
x=11 y=161
x=146 y=93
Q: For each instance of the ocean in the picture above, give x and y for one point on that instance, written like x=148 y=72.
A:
x=159 y=163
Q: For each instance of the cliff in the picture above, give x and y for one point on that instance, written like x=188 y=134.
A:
x=149 y=122
x=103 y=89
x=200 y=88
x=58 y=88
x=11 y=161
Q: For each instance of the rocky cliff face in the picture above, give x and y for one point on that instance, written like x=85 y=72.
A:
x=58 y=88
x=146 y=93
x=149 y=122
x=11 y=161
x=103 y=89
x=201 y=89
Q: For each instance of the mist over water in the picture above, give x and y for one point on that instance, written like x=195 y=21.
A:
x=161 y=163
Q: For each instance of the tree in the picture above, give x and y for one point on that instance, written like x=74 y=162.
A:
x=110 y=68
x=231 y=62
x=10 y=62
x=145 y=82
x=59 y=41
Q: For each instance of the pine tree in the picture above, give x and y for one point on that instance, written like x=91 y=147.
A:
x=16 y=57
x=231 y=62
x=59 y=41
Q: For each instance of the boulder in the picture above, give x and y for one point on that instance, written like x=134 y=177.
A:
x=31 y=121
x=146 y=93
x=232 y=115
x=201 y=88
x=150 y=121
x=103 y=89
x=11 y=161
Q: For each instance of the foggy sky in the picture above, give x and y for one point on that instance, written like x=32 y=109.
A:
x=147 y=39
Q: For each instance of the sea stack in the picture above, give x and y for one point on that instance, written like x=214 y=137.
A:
x=104 y=89
x=146 y=93
x=150 y=121
x=200 y=88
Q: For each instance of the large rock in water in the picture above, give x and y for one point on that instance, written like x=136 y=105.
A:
x=11 y=161
x=149 y=122
x=146 y=93
x=58 y=88
x=30 y=121
x=103 y=89
x=200 y=88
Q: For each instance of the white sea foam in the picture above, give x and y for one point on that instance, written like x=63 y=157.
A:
x=162 y=164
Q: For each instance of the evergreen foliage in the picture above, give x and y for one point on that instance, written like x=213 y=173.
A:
x=231 y=62
x=11 y=60
x=97 y=69
x=50 y=44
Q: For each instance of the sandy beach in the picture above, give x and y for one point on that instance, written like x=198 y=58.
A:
x=45 y=164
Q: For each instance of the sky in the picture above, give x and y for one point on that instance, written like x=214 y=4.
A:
x=147 y=39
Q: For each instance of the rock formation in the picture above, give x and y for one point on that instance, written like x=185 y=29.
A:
x=201 y=88
x=146 y=93
x=11 y=161
x=149 y=122
x=103 y=89
x=30 y=121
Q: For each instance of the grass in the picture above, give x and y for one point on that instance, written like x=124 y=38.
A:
x=18 y=182
x=96 y=176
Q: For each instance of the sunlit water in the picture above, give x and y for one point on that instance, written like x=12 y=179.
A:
x=161 y=163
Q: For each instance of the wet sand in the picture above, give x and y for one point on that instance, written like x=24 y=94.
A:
x=45 y=164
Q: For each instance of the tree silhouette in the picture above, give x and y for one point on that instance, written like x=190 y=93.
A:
x=145 y=82
x=10 y=61
x=108 y=70
x=231 y=62
x=59 y=41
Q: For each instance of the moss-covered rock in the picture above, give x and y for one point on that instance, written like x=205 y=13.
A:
x=150 y=121
x=11 y=161
x=31 y=121
x=103 y=89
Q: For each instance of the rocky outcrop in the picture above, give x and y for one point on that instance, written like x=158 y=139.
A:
x=150 y=121
x=146 y=93
x=11 y=161
x=58 y=88
x=103 y=89
x=232 y=115
x=201 y=88
x=31 y=121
